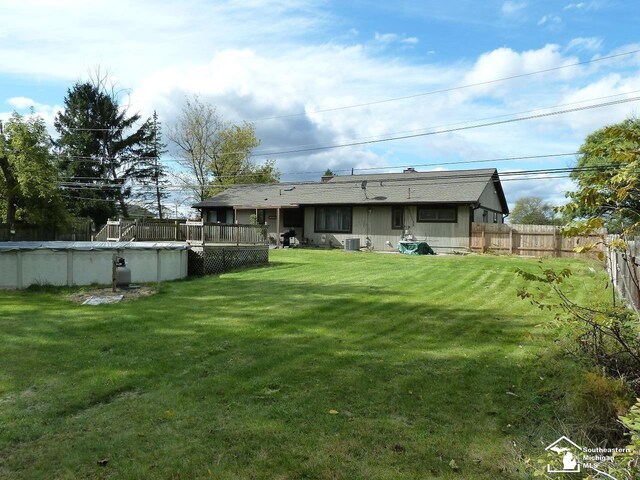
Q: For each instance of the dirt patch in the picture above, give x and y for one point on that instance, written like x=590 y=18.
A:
x=131 y=293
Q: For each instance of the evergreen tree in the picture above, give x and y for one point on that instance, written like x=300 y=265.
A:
x=97 y=153
x=152 y=174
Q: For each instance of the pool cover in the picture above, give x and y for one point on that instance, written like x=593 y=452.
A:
x=415 y=248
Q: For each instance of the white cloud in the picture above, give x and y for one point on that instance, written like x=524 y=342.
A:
x=505 y=62
x=389 y=38
x=265 y=69
x=64 y=39
x=511 y=7
x=584 y=6
x=23 y=105
x=386 y=37
x=550 y=21
x=546 y=186
x=585 y=43
x=577 y=6
x=21 y=102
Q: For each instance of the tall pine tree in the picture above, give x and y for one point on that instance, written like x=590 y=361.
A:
x=101 y=151
x=152 y=174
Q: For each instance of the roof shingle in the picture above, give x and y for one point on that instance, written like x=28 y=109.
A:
x=459 y=186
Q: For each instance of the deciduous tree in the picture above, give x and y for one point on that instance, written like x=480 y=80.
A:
x=608 y=178
x=532 y=211
x=29 y=183
x=215 y=153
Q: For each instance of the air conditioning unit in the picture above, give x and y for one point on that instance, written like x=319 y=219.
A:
x=352 y=245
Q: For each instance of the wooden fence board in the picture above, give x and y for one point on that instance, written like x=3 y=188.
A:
x=76 y=231
x=624 y=271
x=196 y=232
x=527 y=240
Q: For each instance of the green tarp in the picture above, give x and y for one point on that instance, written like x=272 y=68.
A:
x=415 y=248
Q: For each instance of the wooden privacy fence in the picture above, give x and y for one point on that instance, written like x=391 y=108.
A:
x=624 y=271
x=181 y=231
x=528 y=240
x=76 y=231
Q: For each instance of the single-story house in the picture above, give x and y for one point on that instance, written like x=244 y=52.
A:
x=438 y=207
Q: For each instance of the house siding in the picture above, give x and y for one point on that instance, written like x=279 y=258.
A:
x=442 y=237
x=490 y=201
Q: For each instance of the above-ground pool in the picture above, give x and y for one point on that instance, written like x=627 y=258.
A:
x=84 y=263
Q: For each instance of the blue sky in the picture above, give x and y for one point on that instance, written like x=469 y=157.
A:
x=259 y=59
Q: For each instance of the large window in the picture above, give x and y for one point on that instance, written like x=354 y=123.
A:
x=397 y=218
x=333 y=219
x=438 y=213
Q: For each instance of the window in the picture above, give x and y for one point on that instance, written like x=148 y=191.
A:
x=220 y=215
x=397 y=218
x=261 y=216
x=438 y=213
x=485 y=216
x=292 y=217
x=333 y=219
x=495 y=217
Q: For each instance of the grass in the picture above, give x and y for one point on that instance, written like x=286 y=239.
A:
x=239 y=376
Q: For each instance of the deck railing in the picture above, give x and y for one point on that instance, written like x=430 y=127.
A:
x=182 y=231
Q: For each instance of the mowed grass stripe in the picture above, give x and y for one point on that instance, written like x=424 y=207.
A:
x=235 y=376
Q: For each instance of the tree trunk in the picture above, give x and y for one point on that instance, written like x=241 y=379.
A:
x=156 y=181
x=12 y=188
x=159 y=200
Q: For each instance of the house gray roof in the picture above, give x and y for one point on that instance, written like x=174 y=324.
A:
x=459 y=186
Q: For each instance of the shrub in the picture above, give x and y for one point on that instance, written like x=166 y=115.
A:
x=595 y=404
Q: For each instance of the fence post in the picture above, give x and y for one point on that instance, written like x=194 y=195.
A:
x=483 y=248
x=510 y=240
x=557 y=242
x=177 y=231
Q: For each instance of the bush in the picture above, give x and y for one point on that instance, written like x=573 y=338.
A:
x=595 y=404
x=608 y=335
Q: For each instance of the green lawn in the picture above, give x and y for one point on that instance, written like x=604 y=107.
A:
x=237 y=376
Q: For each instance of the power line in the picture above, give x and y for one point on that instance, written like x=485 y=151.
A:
x=415 y=179
x=450 y=130
x=475 y=120
x=464 y=162
x=93 y=159
x=89 y=185
x=445 y=178
x=450 y=89
x=368 y=169
x=417 y=95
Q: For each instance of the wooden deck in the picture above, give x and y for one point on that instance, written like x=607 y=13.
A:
x=195 y=233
